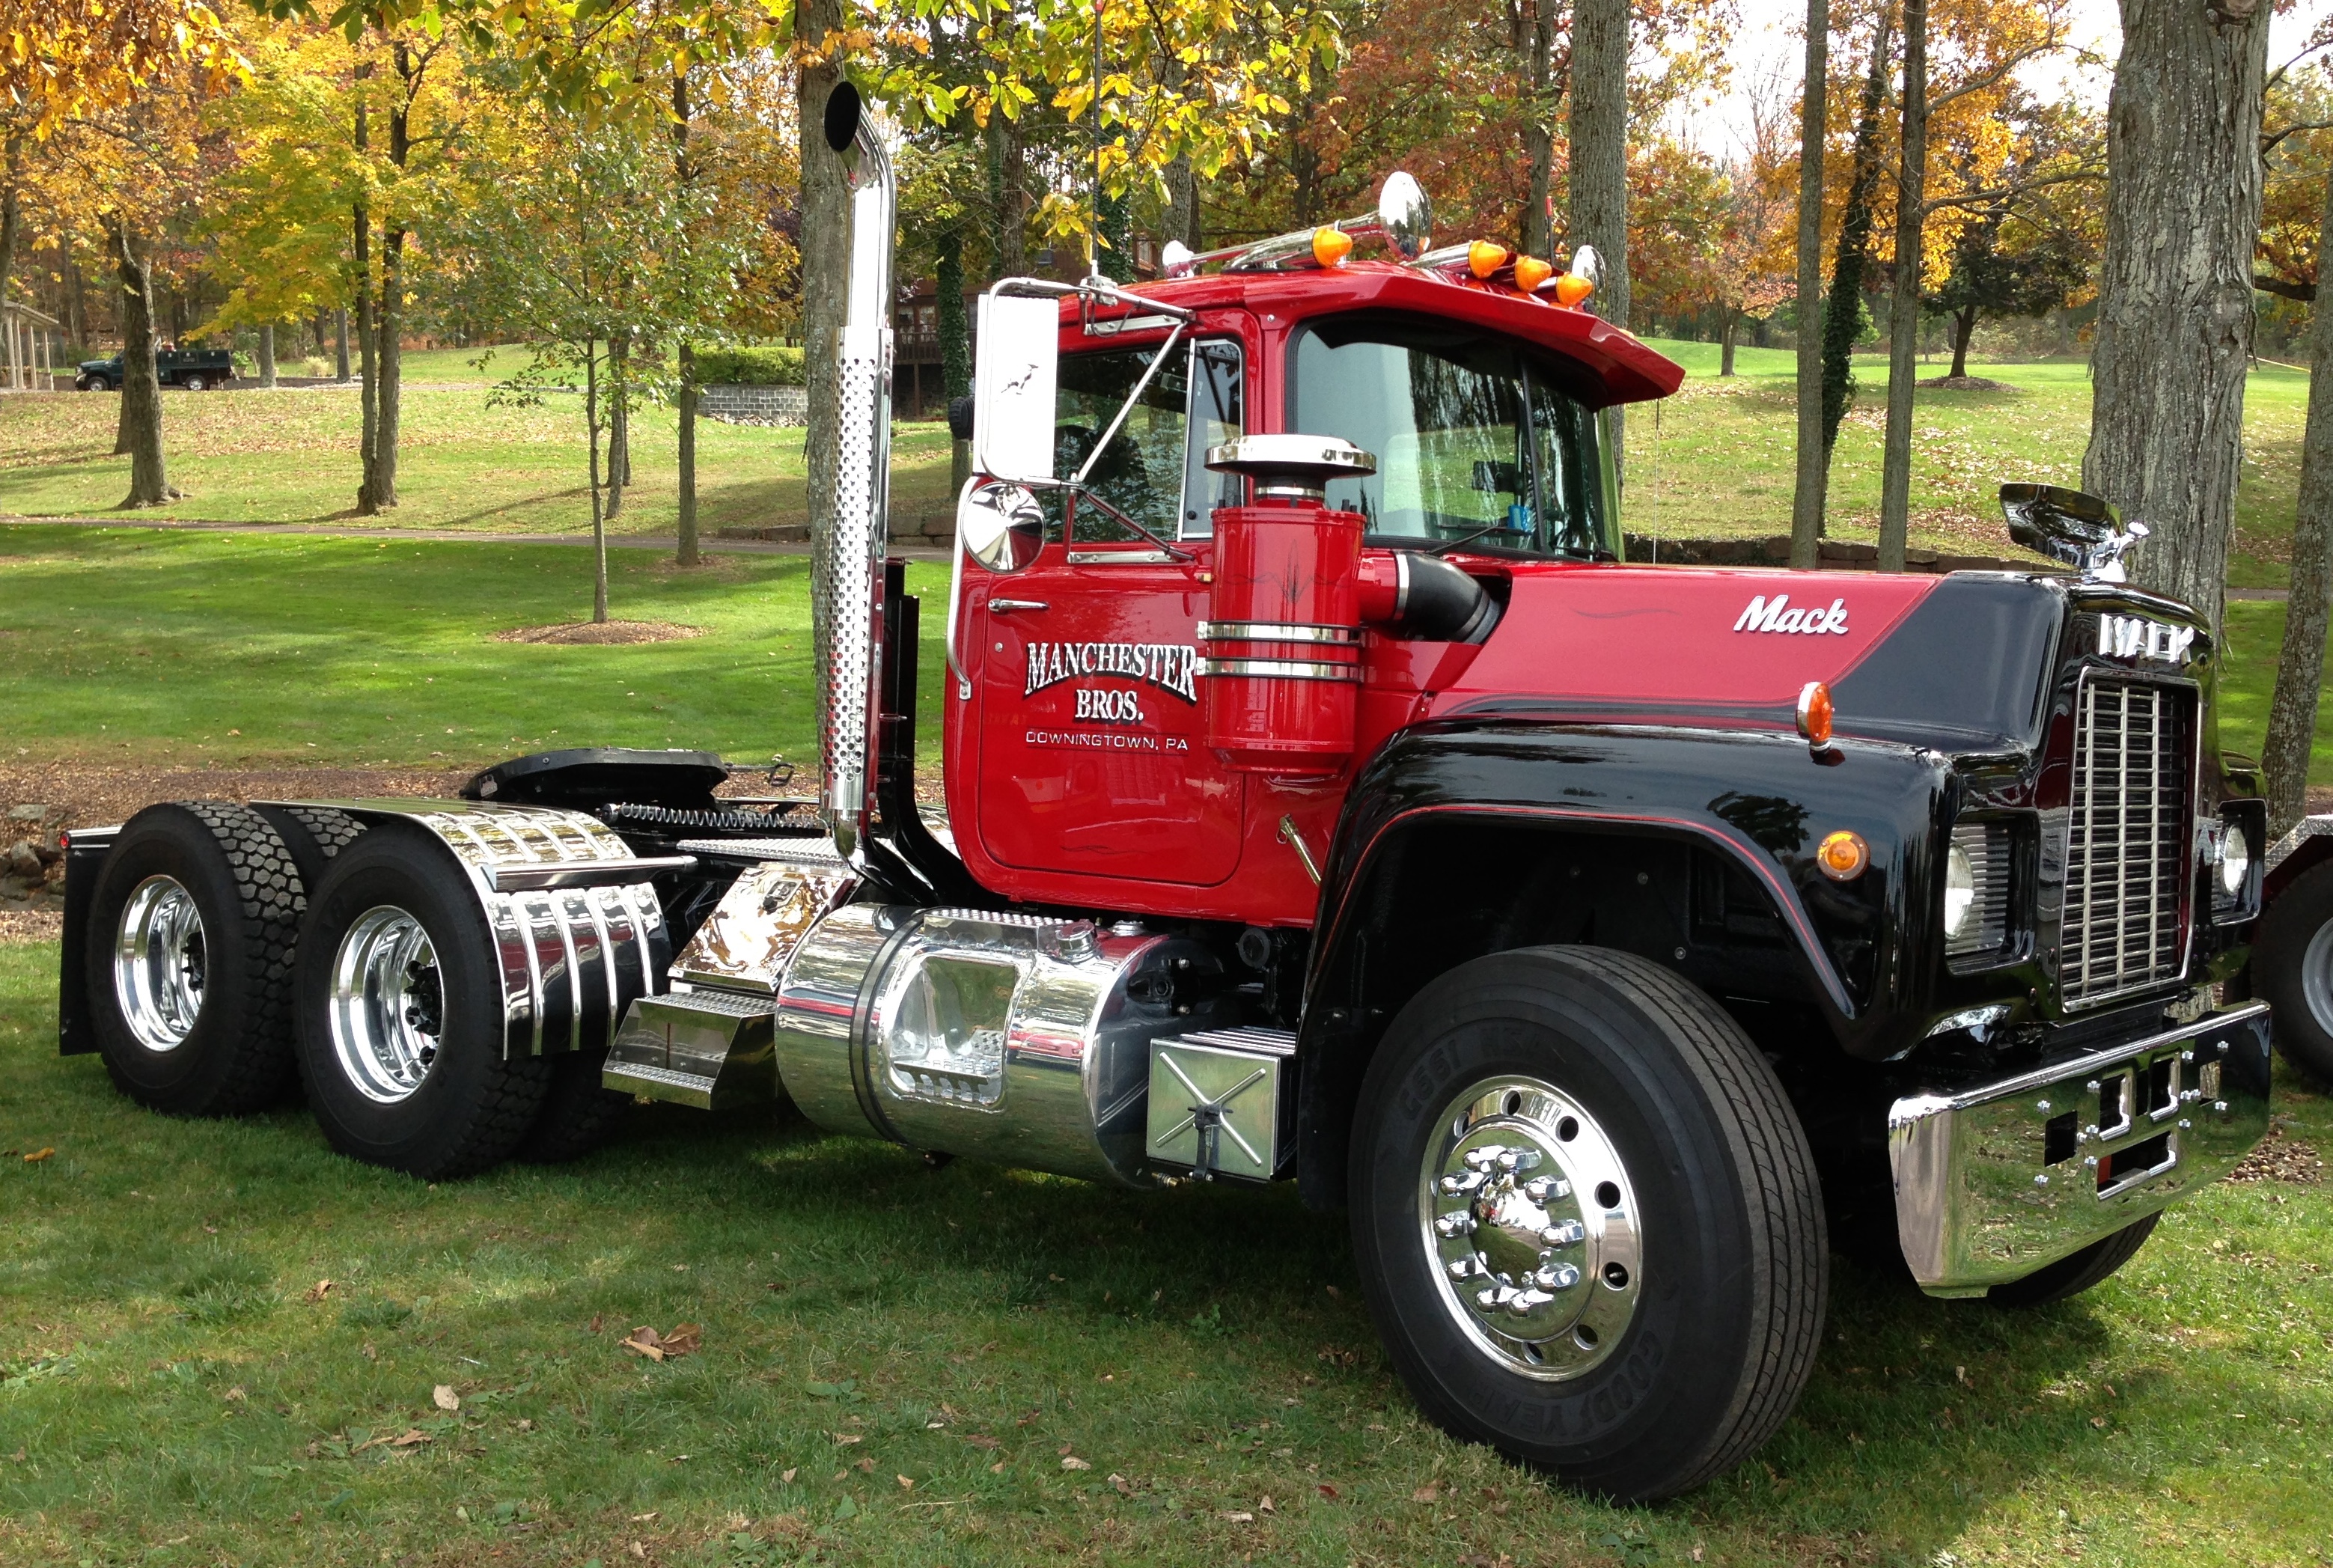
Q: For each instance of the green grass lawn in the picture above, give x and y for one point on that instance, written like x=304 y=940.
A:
x=152 y=646
x=291 y=457
x=171 y=1394
x=1715 y=461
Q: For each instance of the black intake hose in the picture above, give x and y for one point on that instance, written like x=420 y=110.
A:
x=1438 y=602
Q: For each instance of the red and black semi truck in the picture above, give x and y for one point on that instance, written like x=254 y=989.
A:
x=1328 y=801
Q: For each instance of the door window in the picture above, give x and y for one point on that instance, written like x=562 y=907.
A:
x=1155 y=468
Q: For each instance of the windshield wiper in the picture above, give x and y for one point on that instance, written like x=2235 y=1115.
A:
x=1447 y=545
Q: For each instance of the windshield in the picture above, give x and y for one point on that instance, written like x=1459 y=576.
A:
x=1474 y=440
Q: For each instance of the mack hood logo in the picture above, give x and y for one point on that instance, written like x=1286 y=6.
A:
x=1776 y=614
x=1168 y=666
x=2129 y=637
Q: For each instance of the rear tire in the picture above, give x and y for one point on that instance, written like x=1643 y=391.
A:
x=314 y=835
x=195 y=384
x=2072 y=1275
x=578 y=1114
x=2292 y=970
x=190 y=941
x=1696 y=1276
x=400 y=1006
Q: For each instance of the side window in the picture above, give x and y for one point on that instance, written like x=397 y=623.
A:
x=1217 y=415
x=1140 y=472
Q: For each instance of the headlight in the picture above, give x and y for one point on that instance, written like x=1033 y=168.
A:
x=1959 y=892
x=2235 y=860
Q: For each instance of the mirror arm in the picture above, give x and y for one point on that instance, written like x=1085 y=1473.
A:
x=955 y=596
x=1087 y=493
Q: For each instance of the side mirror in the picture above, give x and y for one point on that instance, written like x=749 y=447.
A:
x=1019 y=362
x=1000 y=524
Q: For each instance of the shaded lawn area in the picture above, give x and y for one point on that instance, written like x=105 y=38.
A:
x=171 y=1394
x=291 y=457
x=158 y=647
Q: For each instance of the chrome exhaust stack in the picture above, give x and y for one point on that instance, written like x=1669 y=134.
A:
x=850 y=716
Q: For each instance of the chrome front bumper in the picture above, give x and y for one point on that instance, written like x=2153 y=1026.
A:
x=1994 y=1182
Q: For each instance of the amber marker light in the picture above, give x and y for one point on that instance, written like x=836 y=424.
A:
x=1815 y=714
x=1331 y=247
x=1570 y=289
x=1486 y=256
x=1842 y=855
x=1531 y=272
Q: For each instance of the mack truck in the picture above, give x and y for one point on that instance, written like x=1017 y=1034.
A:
x=1328 y=801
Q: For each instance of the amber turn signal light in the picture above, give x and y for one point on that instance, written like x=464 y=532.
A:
x=1842 y=855
x=1570 y=289
x=1531 y=272
x=1485 y=258
x=1331 y=247
x=1814 y=714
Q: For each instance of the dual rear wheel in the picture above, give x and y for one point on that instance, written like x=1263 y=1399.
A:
x=239 y=951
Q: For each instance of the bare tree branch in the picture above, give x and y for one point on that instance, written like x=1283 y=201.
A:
x=2285 y=287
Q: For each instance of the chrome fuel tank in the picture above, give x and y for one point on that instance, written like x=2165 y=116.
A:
x=1018 y=1038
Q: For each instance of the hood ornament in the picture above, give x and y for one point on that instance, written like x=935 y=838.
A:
x=2080 y=530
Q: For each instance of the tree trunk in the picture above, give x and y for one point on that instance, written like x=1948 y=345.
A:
x=825 y=283
x=1729 y=328
x=955 y=346
x=619 y=422
x=1182 y=180
x=1807 y=498
x=1539 y=132
x=12 y=226
x=1600 y=158
x=1903 y=314
x=2174 y=289
x=685 y=403
x=341 y=343
x=1843 y=312
x=1964 y=328
x=141 y=392
x=599 y=521
x=389 y=309
x=2300 y=663
x=267 y=356
x=368 y=375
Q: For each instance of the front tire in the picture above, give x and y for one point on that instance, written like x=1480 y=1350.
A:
x=2292 y=970
x=401 y=1027
x=190 y=938
x=1587 y=1221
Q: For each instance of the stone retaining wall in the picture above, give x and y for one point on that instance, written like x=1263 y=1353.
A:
x=754 y=405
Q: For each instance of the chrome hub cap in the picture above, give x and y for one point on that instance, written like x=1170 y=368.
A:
x=2317 y=976
x=1528 y=1223
x=388 y=1006
x=158 y=963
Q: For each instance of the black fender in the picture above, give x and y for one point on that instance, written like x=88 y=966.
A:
x=1634 y=803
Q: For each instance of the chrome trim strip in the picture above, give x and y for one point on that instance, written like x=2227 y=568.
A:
x=1120 y=558
x=508 y=879
x=1275 y=631
x=1281 y=670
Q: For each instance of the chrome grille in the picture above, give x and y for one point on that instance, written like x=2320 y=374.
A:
x=2126 y=855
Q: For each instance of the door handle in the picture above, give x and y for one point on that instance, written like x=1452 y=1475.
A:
x=1002 y=605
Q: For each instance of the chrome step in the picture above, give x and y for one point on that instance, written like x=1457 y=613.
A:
x=706 y=1048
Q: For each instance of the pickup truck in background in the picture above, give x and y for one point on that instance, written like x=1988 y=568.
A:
x=197 y=370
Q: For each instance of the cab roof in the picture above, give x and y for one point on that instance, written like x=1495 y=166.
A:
x=1629 y=372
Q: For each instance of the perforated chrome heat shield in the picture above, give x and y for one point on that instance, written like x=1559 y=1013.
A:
x=854 y=588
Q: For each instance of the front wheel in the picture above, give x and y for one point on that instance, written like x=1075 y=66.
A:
x=195 y=384
x=2292 y=970
x=1587 y=1221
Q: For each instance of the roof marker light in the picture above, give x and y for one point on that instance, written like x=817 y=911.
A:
x=1531 y=272
x=1571 y=289
x=1486 y=256
x=1331 y=245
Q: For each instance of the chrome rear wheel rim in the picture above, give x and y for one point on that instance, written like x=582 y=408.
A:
x=1530 y=1226
x=388 y=1005
x=160 y=963
x=2317 y=976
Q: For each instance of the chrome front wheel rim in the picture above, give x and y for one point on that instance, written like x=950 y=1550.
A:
x=160 y=963
x=388 y=1005
x=2317 y=976
x=1530 y=1226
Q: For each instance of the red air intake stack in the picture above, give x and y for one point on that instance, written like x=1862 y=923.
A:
x=1284 y=627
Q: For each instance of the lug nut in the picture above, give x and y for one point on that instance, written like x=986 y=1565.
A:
x=1566 y=1233
x=1451 y=1225
x=1547 y=1189
x=1562 y=1276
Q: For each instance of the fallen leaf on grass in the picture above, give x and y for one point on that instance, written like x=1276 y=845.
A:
x=997 y=1468
x=2098 y=1420
x=1326 y=1490
x=1071 y=1462
x=1118 y=1484
x=444 y=1397
x=411 y=1438
x=596 y=1321
x=17 y=1458
x=865 y=1466
x=646 y=1341
x=1237 y=1515
x=317 y=1292
x=848 y=1437
x=525 y=1424
x=644 y=1518
x=981 y=1440
x=1267 y=1507
x=906 y=1483
x=38 y=1155
x=1429 y=1492
x=235 y=1394
x=787 y=1475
